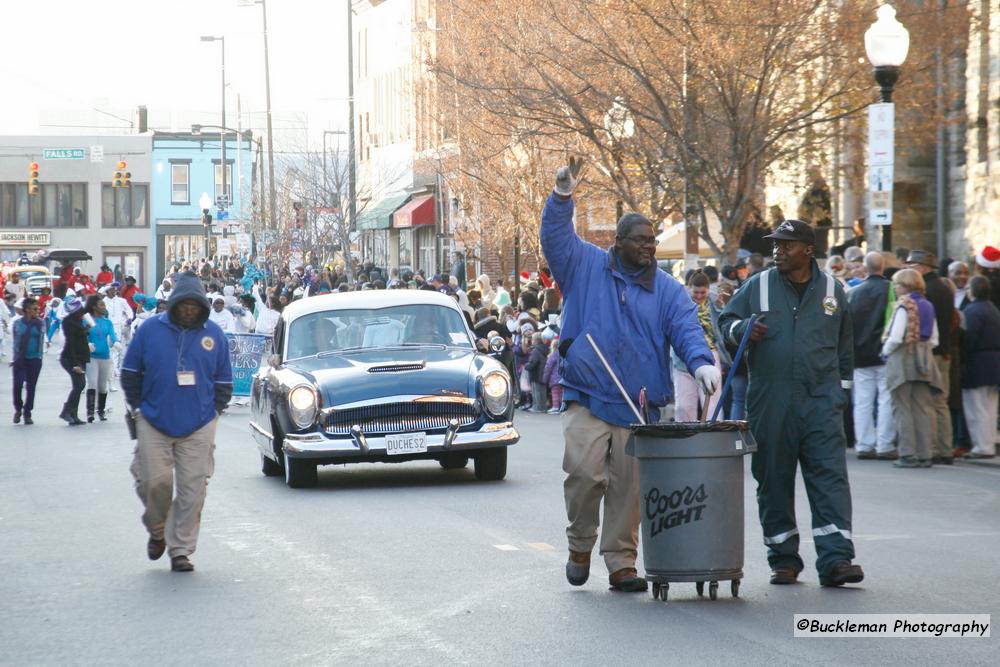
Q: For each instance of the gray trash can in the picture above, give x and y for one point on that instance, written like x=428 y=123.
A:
x=691 y=502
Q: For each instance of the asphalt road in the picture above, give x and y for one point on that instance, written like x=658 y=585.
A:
x=409 y=564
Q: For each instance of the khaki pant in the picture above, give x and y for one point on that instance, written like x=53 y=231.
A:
x=914 y=419
x=597 y=468
x=159 y=459
x=941 y=442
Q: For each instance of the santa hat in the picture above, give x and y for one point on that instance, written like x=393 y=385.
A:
x=988 y=258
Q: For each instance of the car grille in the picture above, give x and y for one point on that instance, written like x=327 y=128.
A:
x=400 y=417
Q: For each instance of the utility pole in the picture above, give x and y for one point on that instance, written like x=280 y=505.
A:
x=270 y=132
x=222 y=132
x=352 y=160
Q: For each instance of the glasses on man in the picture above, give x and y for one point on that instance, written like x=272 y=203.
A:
x=649 y=241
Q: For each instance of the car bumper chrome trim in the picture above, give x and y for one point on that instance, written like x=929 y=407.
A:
x=318 y=446
x=266 y=434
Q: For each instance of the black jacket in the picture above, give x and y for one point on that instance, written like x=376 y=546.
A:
x=981 y=352
x=76 y=352
x=939 y=294
x=867 y=303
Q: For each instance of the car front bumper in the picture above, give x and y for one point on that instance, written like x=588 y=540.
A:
x=346 y=449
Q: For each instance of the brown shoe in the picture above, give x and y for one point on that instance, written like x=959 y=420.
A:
x=155 y=547
x=784 y=575
x=578 y=567
x=627 y=580
x=888 y=456
x=181 y=564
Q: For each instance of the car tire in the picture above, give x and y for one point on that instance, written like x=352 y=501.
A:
x=491 y=464
x=269 y=467
x=300 y=474
x=454 y=461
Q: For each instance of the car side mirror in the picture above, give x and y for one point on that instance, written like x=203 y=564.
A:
x=274 y=361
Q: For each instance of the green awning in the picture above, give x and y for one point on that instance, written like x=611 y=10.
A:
x=379 y=216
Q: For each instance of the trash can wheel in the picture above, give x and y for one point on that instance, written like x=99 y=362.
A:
x=700 y=587
x=713 y=590
x=656 y=591
x=734 y=587
x=660 y=591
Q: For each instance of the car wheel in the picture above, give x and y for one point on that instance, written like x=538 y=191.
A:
x=454 y=461
x=269 y=467
x=300 y=474
x=491 y=464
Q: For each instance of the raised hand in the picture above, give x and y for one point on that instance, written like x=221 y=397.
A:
x=569 y=176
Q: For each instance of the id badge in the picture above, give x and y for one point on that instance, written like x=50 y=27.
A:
x=185 y=378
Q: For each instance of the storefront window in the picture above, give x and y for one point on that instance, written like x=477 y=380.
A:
x=405 y=248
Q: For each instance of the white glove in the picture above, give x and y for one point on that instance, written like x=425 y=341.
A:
x=568 y=177
x=93 y=348
x=118 y=346
x=708 y=378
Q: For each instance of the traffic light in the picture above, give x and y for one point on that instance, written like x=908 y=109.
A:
x=123 y=177
x=33 y=178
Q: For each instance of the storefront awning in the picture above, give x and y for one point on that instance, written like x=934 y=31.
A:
x=379 y=216
x=419 y=211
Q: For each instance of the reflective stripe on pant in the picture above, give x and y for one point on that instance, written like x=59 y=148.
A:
x=811 y=435
x=158 y=460
x=941 y=443
x=870 y=390
x=597 y=468
x=980 y=406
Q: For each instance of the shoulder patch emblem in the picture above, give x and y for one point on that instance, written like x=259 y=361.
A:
x=830 y=305
x=207 y=343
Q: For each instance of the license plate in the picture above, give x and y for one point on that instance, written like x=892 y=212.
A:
x=406 y=443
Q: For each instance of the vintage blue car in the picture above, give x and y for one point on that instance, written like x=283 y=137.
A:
x=379 y=375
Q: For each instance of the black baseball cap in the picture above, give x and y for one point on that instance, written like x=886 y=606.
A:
x=794 y=230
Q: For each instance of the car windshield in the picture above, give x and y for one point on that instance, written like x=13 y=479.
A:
x=362 y=328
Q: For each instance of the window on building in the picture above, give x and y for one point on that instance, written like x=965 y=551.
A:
x=218 y=180
x=125 y=207
x=180 y=182
x=55 y=205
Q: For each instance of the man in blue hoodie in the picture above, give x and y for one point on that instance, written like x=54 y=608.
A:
x=635 y=313
x=177 y=380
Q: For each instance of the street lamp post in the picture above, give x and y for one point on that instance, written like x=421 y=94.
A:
x=352 y=160
x=886 y=43
x=620 y=126
x=326 y=184
x=222 y=131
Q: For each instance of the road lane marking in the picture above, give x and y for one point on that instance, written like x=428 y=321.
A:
x=541 y=546
x=505 y=547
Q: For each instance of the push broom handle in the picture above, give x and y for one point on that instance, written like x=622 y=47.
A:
x=736 y=363
x=614 y=377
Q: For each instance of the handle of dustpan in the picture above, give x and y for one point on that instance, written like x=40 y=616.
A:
x=732 y=369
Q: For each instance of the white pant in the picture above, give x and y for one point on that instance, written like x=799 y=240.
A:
x=869 y=387
x=980 y=408
x=688 y=396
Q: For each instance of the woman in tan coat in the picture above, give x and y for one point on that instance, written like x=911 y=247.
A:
x=911 y=374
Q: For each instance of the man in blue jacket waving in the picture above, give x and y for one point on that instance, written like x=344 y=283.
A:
x=635 y=313
x=177 y=380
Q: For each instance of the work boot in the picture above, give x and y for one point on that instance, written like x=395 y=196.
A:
x=181 y=564
x=17 y=416
x=102 y=401
x=155 y=547
x=842 y=572
x=627 y=580
x=781 y=576
x=91 y=399
x=578 y=567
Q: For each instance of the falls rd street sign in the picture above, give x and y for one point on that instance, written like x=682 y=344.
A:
x=64 y=154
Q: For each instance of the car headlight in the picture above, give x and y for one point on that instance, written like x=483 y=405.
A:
x=496 y=393
x=302 y=405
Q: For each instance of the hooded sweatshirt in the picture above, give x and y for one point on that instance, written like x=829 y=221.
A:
x=162 y=351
